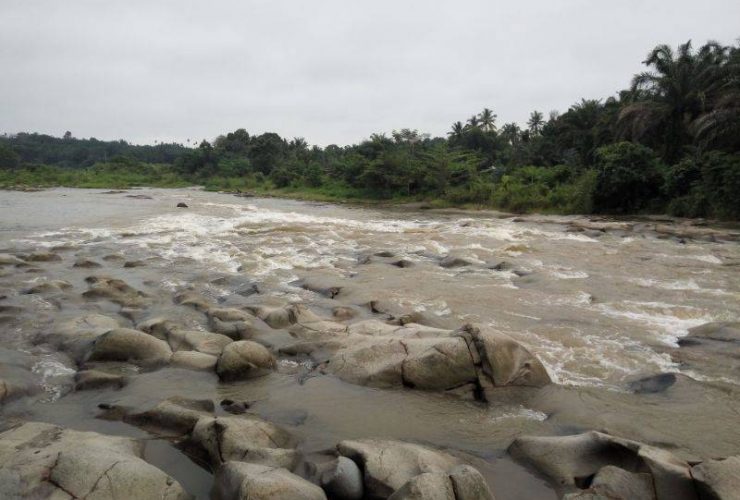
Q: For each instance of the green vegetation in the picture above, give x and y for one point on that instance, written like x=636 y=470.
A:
x=670 y=143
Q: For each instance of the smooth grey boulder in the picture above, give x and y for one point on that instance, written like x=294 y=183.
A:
x=194 y=300
x=7 y=259
x=388 y=465
x=195 y=340
x=426 y=486
x=505 y=361
x=718 y=479
x=437 y=363
x=86 y=263
x=194 y=360
x=124 y=344
x=343 y=481
x=76 y=335
x=244 y=359
x=245 y=481
x=469 y=484
x=377 y=363
x=613 y=482
x=48 y=287
x=570 y=460
x=453 y=261
x=244 y=438
x=232 y=322
x=39 y=460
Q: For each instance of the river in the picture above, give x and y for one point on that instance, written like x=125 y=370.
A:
x=600 y=305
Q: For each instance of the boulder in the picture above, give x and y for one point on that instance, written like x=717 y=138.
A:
x=194 y=300
x=42 y=257
x=48 y=287
x=343 y=480
x=195 y=340
x=39 y=460
x=182 y=205
x=194 y=360
x=613 y=482
x=231 y=322
x=97 y=379
x=115 y=290
x=376 y=363
x=243 y=438
x=453 y=261
x=388 y=465
x=570 y=462
x=437 y=364
x=175 y=414
x=86 y=263
x=343 y=313
x=76 y=335
x=426 y=486
x=16 y=378
x=123 y=344
x=244 y=359
x=718 y=479
x=246 y=481
x=505 y=361
x=10 y=260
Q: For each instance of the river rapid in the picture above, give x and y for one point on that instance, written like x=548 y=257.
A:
x=602 y=304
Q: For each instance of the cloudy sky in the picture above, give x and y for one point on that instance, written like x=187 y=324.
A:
x=332 y=71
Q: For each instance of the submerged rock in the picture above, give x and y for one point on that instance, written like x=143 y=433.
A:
x=115 y=290
x=244 y=359
x=39 y=460
x=86 y=263
x=232 y=322
x=97 y=379
x=175 y=414
x=123 y=344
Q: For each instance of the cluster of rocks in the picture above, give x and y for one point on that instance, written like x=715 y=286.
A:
x=595 y=465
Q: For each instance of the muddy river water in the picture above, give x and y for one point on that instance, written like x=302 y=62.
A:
x=601 y=304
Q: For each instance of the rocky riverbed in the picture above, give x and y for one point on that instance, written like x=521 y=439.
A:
x=271 y=349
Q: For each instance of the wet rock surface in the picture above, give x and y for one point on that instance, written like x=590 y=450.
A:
x=311 y=351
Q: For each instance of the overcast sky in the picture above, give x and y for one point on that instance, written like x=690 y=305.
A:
x=332 y=71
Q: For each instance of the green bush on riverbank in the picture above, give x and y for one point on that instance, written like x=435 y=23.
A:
x=670 y=143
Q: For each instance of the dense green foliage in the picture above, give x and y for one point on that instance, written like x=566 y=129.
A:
x=669 y=143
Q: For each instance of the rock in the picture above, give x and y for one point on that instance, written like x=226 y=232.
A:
x=86 y=263
x=389 y=465
x=173 y=414
x=329 y=291
x=194 y=300
x=39 y=460
x=115 y=290
x=403 y=263
x=195 y=340
x=244 y=359
x=246 y=481
x=377 y=364
x=437 y=364
x=469 y=484
x=139 y=196
x=243 y=438
x=43 y=257
x=653 y=384
x=453 y=261
x=343 y=313
x=504 y=360
x=10 y=260
x=500 y=266
x=385 y=254
x=75 y=336
x=569 y=461
x=123 y=344
x=129 y=264
x=97 y=379
x=16 y=378
x=182 y=205
x=343 y=481
x=718 y=479
x=712 y=347
x=426 y=486
x=613 y=482
x=194 y=360
x=231 y=322
x=48 y=286
x=716 y=331
x=235 y=407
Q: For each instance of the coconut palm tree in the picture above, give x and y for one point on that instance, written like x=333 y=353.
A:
x=457 y=130
x=488 y=120
x=681 y=88
x=535 y=122
x=473 y=121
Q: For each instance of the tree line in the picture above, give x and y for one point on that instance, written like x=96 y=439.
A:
x=669 y=143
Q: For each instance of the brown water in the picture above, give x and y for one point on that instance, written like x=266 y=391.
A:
x=599 y=309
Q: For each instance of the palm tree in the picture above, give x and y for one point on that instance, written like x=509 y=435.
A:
x=473 y=121
x=488 y=120
x=457 y=130
x=510 y=132
x=535 y=122
x=666 y=101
